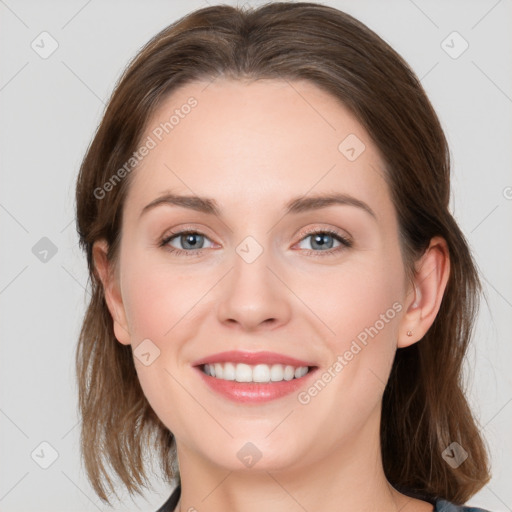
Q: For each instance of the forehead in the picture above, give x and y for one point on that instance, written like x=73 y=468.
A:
x=255 y=144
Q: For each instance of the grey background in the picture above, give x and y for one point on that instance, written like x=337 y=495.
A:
x=49 y=111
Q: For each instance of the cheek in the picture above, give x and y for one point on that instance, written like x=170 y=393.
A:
x=363 y=308
x=365 y=293
x=158 y=297
x=159 y=304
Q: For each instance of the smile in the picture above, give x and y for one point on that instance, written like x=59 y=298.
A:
x=260 y=373
x=253 y=377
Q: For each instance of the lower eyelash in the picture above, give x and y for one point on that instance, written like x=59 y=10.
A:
x=346 y=243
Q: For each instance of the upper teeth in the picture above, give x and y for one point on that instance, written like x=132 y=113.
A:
x=259 y=373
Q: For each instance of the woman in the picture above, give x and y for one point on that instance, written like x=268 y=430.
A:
x=276 y=274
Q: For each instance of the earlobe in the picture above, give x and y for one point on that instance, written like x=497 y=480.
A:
x=426 y=293
x=111 y=291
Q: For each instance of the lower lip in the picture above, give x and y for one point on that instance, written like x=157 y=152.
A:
x=253 y=392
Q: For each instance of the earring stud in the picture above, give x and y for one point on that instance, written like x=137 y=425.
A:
x=409 y=333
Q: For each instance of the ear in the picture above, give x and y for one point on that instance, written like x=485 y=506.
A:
x=111 y=290
x=424 y=296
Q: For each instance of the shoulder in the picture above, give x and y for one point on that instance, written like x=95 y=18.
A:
x=446 y=506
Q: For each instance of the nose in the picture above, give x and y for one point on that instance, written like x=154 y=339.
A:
x=254 y=296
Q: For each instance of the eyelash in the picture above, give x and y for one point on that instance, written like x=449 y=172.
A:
x=345 y=242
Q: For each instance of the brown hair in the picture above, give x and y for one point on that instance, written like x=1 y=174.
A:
x=424 y=408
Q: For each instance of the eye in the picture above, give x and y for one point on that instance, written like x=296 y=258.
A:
x=322 y=241
x=191 y=241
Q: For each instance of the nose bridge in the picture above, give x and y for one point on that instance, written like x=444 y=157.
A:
x=251 y=274
x=252 y=294
x=250 y=249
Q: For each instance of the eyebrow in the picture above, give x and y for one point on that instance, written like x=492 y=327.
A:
x=297 y=205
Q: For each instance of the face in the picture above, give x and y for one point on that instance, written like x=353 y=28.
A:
x=262 y=267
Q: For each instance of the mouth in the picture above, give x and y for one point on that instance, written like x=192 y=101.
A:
x=253 y=377
x=259 y=373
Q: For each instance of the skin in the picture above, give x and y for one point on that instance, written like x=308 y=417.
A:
x=252 y=147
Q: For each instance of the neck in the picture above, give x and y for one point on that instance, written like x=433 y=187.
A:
x=350 y=478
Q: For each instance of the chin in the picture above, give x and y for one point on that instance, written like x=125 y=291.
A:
x=244 y=454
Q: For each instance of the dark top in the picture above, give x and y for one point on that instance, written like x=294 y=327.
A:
x=440 y=505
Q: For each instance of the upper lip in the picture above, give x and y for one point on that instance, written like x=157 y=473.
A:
x=252 y=358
